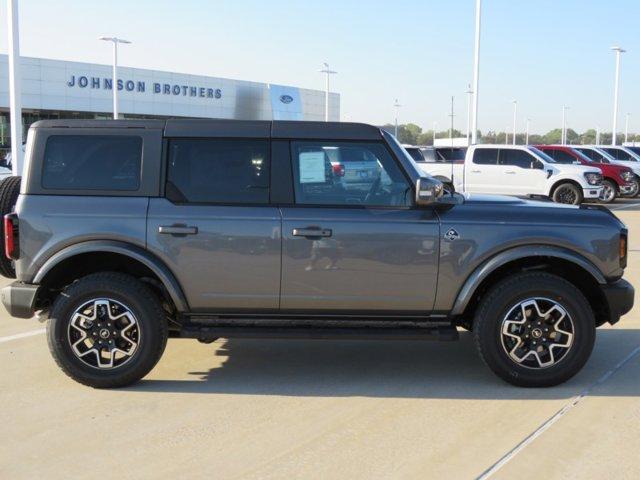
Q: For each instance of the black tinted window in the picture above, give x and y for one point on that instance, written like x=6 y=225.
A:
x=452 y=154
x=516 y=158
x=619 y=154
x=218 y=171
x=486 y=156
x=415 y=154
x=563 y=157
x=92 y=162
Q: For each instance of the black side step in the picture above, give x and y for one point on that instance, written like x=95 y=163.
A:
x=210 y=333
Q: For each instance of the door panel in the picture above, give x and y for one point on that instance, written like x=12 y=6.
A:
x=359 y=259
x=225 y=257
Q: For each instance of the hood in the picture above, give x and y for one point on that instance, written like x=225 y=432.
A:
x=575 y=169
x=504 y=200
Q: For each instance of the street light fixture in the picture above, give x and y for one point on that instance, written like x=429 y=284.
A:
x=115 y=41
x=397 y=107
x=616 y=88
x=328 y=72
x=435 y=125
x=515 y=113
x=526 y=140
x=476 y=74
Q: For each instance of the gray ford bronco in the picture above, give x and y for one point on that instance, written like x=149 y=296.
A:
x=122 y=234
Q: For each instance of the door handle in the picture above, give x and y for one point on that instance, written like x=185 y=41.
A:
x=177 y=230
x=311 y=232
x=476 y=171
x=510 y=172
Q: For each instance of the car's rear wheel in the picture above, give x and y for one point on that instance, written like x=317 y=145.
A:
x=107 y=330
x=534 y=330
x=635 y=188
x=9 y=191
x=609 y=191
x=568 y=193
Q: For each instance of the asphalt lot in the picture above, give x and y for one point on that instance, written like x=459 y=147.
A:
x=324 y=409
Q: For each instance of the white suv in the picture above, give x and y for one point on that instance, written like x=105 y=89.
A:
x=518 y=170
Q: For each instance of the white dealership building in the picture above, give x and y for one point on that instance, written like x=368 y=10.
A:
x=63 y=89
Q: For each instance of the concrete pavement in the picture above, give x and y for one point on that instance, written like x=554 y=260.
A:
x=324 y=409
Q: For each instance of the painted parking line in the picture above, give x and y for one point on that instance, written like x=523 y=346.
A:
x=557 y=416
x=18 y=336
x=629 y=205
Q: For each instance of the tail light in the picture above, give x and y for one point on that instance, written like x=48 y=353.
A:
x=11 y=249
x=623 y=248
x=338 y=170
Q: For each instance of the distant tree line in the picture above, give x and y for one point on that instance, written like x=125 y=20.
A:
x=412 y=134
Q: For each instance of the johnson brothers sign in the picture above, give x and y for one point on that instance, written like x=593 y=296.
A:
x=101 y=83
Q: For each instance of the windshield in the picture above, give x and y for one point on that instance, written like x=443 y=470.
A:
x=542 y=155
x=582 y=155
x=595 y=155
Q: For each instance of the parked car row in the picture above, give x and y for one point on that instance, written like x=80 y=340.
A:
x=563 y=173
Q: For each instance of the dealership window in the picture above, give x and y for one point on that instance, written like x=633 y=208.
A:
x=347 y=173
x=92 y=162
x=218 y=171
x=486 y=156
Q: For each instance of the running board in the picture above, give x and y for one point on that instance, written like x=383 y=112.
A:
x=211 y=333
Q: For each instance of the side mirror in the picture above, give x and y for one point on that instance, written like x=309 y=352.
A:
x=428 y=191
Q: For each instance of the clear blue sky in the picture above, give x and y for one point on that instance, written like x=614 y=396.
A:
x=544 y=53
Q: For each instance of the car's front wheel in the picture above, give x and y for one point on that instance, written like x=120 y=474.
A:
x=568 y=193
x=609 y=191
x=534 y=329
x=107 y=330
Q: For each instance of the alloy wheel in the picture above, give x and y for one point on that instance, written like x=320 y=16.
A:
x=104 y=333
x=537 y=333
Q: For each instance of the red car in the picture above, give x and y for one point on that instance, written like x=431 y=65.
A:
x=617 y=179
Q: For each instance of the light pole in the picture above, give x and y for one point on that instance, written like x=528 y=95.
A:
x=616 y=88
x=626 y=127
x=526 y=138
x=469 y=93
x=326 y=70
x=451 y=124
x=15 y=99
x=515 y=113
x=563 y=141
x=435 y=125
x=476 y=74
x=115 y=41
x=597 y=134
x=397 y=107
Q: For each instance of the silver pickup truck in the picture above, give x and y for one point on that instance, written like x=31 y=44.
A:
x=124 y=233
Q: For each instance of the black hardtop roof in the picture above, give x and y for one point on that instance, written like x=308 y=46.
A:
x=185 y=127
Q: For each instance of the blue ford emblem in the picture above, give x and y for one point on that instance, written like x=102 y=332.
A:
x=286 y=98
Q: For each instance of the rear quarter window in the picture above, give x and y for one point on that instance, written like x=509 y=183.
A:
x=92 y=162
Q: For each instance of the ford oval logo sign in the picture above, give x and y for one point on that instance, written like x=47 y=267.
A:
x=286 y=98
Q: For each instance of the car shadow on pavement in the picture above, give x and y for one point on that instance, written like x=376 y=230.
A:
x=393 y=369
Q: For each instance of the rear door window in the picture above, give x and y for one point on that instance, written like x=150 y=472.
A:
x=516 y=158
x=486 y=156
x=92 y=162
x=218 y=171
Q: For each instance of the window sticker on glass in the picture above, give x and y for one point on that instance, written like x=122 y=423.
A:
x=311 y=167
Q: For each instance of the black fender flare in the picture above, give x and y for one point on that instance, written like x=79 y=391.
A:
x=489 y=266
x=134 y=252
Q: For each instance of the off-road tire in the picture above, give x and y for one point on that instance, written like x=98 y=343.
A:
x=9 y=191
x=142 y=302
x=559 y=194
x=514 y=289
